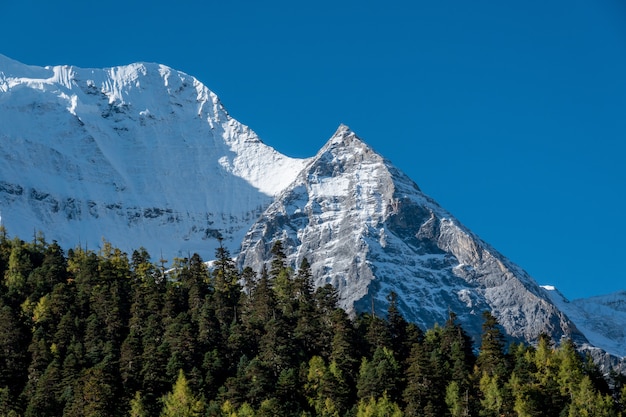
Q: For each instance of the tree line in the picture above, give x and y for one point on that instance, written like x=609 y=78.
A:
x=102 y=333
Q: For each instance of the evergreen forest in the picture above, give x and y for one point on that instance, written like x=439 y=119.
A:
x=104 y=333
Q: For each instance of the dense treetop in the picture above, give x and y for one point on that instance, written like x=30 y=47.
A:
x=101 y=333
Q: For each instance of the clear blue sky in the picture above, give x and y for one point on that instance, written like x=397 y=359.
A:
x=512 y=115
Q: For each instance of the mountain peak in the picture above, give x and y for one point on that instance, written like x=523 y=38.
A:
x=343 y=129
x=345 y=142
x=343 y=135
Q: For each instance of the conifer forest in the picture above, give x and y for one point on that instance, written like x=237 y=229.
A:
x=105 y=333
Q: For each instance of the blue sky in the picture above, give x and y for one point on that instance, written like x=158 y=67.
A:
x=512 y=115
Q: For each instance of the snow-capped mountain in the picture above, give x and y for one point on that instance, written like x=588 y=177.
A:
x=139 y=155
x=143 y=155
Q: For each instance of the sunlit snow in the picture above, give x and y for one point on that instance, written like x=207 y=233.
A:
x=115 y=153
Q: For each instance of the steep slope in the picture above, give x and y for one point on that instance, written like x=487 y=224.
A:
x=367 y=229
x=140 y=154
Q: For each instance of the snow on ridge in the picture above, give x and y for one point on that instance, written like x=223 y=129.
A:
x=10 y=68
x=131 y=89
x=14 y=74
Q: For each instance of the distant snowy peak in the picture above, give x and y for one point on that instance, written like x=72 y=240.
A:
x=601 y=319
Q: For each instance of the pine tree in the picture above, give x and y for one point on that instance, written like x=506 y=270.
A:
x=275 y=347
x=426 y=380
x=416 y=393
x=83 y=268
x=307 y=322
x=93 y=395
x=8 y=406
x=378 y=376
x=80 y=335
x=45 y=400
x=14 y=337
x=491 y=359
x=330 y=388
x=227 y=290
x=260 y=382
x=282 y=283
x=51 y=271
x=316 y=390
x=552 y=398
x=271 y=407
x=260 y=309
x=5 y=251
x=343 y=344
x=279 y=258
x=326 y=302
x=180 y=339
x=377 y=333
x=398 y=329
x=288 y=391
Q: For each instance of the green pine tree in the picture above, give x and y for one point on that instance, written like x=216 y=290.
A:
x=491 y=358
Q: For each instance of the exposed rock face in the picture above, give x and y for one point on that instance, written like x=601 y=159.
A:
x=367 y=229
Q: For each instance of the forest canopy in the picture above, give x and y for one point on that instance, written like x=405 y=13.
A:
x=102 y=333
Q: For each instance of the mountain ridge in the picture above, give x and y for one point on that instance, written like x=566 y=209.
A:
x=135 y=126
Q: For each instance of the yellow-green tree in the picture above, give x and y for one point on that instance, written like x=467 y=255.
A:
x=181 y=402
x=381 y=407
x=137 y=406
x=493 y=395
x=454 y=400
x=588 y=402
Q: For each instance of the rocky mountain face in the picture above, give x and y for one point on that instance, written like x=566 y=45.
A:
x=367 y=229
x=144 y=155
